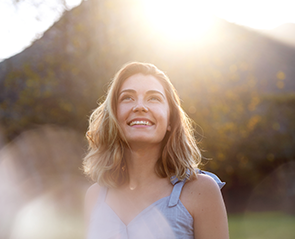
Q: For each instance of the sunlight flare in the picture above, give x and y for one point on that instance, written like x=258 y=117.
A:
x=179 y=20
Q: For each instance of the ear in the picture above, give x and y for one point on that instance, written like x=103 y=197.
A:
x=169 y=128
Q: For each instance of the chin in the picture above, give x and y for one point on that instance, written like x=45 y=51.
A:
x=145 y=141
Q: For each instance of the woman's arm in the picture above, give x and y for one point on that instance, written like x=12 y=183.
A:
x=206 y=205
x=90 y=201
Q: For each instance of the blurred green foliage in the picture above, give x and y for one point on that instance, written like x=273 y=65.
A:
x=270 y=225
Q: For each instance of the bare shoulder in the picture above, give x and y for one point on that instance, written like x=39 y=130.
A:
x=199 y=193
x=203 y=199
x=93 y=191
x=201 y=186
x=91 y=199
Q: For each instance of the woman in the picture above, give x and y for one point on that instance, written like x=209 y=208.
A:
x=143 y=158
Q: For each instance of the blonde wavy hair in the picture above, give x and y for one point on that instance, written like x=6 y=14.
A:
x=105 y=161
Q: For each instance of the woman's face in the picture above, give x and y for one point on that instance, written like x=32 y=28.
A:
x=143 y=111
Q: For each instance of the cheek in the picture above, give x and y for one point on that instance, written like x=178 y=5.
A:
x=165 y=115
x=168 y=114
x=121 y=112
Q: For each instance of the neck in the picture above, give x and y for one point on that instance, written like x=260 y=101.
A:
x=141 y=163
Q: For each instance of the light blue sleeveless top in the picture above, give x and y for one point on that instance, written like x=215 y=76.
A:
x=165 y=218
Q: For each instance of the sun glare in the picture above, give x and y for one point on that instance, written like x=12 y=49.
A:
x=179 y=20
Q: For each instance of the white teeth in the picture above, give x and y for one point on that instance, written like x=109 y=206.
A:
x=140 y=123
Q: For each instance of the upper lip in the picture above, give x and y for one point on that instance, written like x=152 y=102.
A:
x=140 y=119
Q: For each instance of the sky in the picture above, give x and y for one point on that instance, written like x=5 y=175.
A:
x=20 y=24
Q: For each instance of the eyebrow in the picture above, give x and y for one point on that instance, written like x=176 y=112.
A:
x=148 y=92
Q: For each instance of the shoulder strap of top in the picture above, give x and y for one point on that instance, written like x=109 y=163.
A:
x=176 y=191
x=212 y=175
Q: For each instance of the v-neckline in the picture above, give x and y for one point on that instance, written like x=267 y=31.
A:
x=138 y=215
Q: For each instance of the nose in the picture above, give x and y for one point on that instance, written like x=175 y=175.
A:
x=140 y=107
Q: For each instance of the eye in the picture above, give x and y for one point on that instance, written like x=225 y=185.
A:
x=126 y=98
x=155 y=98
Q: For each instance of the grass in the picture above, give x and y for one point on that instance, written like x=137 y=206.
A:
x=265 y=225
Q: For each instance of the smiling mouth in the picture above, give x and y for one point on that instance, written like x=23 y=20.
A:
x=140 y=122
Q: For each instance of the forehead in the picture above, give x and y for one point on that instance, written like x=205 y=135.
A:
x=140 y=82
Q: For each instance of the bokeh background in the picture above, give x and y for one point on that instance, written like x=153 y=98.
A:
x=236 y=83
